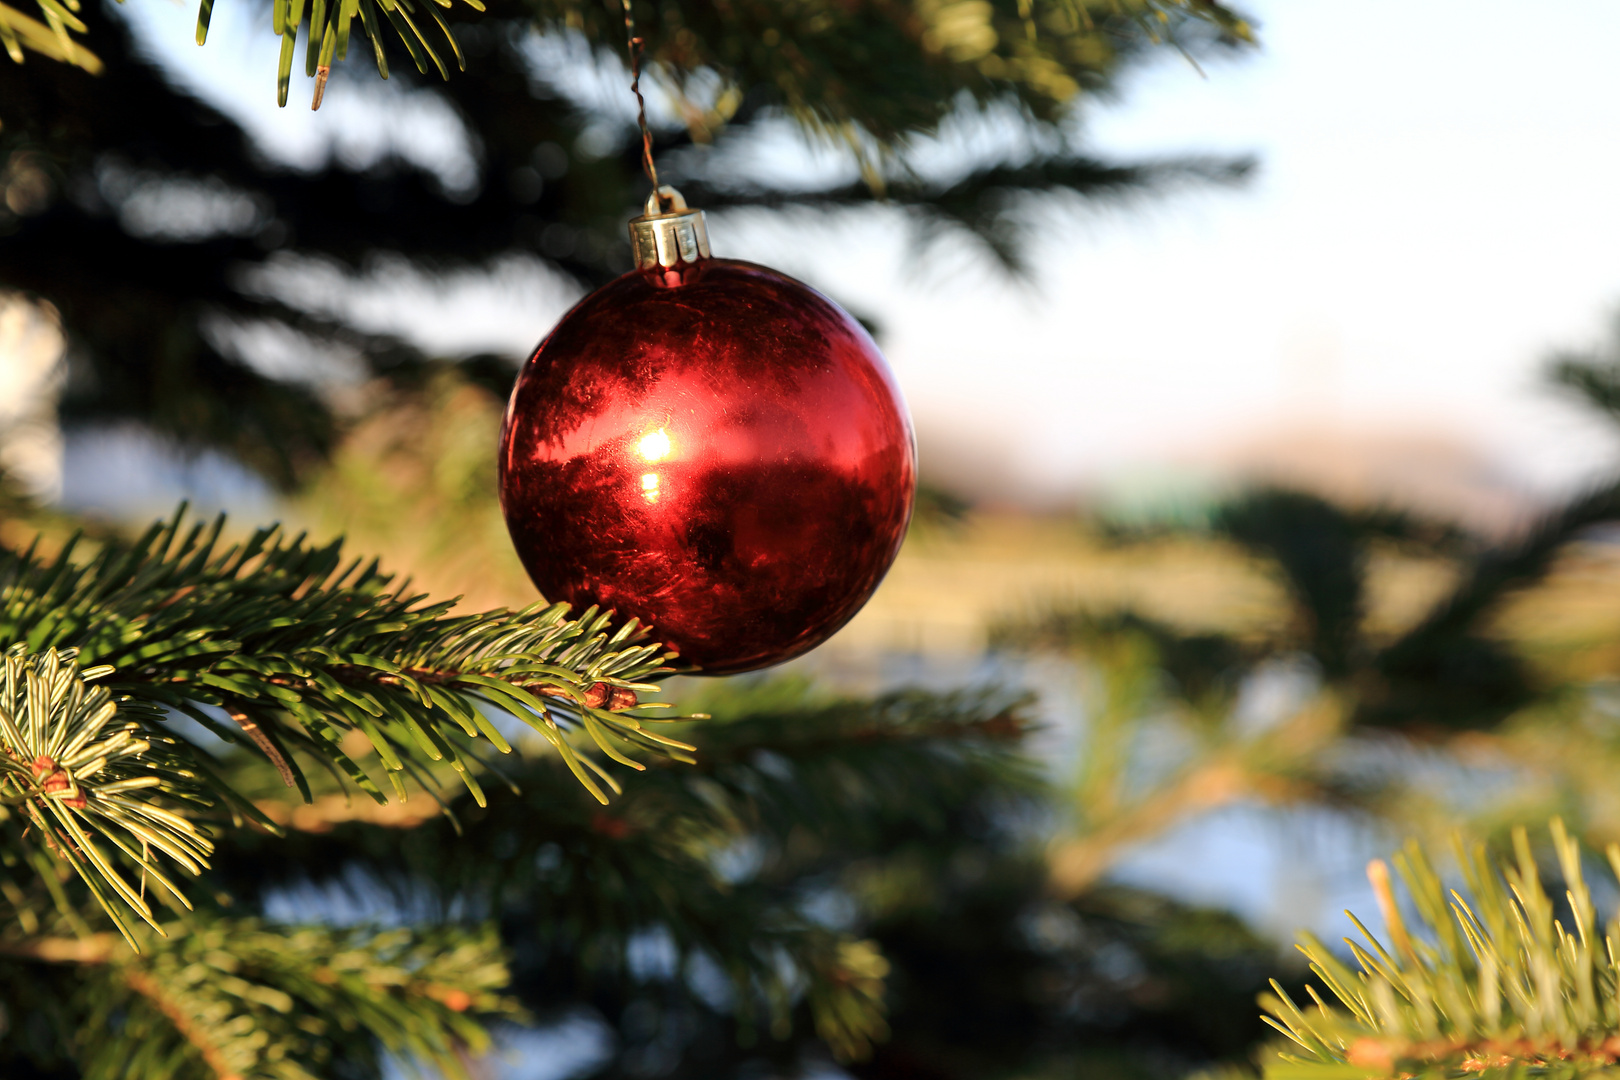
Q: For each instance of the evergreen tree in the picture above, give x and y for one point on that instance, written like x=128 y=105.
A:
x=505 y=826
x=195 y=232
x=192 y=726
x=241 y=720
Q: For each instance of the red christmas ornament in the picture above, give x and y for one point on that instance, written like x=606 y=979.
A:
x=711 y=447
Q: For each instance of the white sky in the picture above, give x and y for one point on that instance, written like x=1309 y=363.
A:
x=1434 y=211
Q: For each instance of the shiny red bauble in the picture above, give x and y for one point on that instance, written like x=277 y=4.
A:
x=719 y=451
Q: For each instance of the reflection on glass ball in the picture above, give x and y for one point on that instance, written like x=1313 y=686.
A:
x=719 y=451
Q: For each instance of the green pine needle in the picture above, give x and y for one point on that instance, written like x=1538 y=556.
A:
x=80 y=769
x=288 y=648
x=239 y=998
x=1032 y=49
x=1496 y=985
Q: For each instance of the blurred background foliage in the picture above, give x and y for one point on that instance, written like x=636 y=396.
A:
x=1288 y=652
x=219 y=310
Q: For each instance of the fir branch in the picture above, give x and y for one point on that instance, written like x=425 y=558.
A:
x=300 y=650
x=846 y=998
x=1032 y=50
x=1493 y=985
x=18 y=31
x=305 y=646
x=852 y=767
x=804 y=782
x=998 y=207
x=78 y=764
x=223 y=998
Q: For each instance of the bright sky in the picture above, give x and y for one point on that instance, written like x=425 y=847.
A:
x=1434 y=211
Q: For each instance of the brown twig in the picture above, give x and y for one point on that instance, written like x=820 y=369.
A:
x=95 y=949
x=146 y=986
x=327 y=812
x=597 y=695
x=262 y=741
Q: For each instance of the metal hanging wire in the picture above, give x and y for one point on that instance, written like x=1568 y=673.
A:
x=635 y=45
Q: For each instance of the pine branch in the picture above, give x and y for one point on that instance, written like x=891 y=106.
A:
x=849 y=768
x=307 y=648
x=299 y=651
x=994 y=206
x=787 y=788
x=1592 y=374
x=1446 y=669
x=220 y=998
x=1495 y=985
x=817 y=60
x=76 y=764
x=18 y=31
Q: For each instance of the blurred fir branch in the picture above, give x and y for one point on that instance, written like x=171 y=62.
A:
x=704 y=856
x=1507 y=981
x=214 y=998
x=833 y=65
x=1447 y=671
x=1591 y=375
x=1443 y=714
x=1183 y=687
x=50 y=38
x=1360 y=697
x=998 y=206
x=221 y=309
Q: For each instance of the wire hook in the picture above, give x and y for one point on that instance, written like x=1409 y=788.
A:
x=635 y=44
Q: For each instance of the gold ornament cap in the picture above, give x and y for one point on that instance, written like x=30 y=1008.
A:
x=668 y=234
